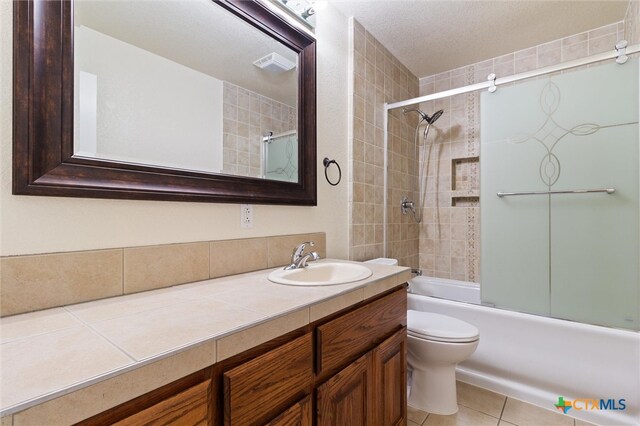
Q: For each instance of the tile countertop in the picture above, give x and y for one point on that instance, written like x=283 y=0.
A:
x=51 y=353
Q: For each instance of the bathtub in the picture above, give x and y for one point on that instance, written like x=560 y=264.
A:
x=537 y=359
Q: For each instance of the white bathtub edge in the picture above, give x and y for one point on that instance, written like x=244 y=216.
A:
x=537 y=397
x=600 y=362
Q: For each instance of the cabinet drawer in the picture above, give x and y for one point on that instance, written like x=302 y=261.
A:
x=352 y=334
x=189 y=407
x=259 y=389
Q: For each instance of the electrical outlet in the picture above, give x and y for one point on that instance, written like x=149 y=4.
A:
x=246 y=216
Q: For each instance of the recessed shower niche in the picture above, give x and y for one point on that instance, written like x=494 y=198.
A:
x=464 y=183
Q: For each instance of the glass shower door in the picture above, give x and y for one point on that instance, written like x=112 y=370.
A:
x=594 y=237
x=572 y=256
x=515 y=230
x=280 y=156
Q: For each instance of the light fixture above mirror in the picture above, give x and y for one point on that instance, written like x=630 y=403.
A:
x=303 y=10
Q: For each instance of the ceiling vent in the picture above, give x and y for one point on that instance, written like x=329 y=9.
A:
x=275 y=63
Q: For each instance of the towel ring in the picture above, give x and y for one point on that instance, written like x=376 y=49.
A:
x=327 y=163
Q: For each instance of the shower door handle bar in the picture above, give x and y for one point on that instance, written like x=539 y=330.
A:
x=574 y=191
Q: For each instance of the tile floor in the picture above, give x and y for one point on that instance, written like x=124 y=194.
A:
x=481 y=407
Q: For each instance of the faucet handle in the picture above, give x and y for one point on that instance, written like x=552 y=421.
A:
x=297 y=252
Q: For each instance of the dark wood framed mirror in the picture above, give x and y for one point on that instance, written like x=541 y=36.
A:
x=44 y=162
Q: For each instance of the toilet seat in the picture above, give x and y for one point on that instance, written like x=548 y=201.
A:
x=440 y=328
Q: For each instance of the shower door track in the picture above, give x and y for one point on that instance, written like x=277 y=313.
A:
x=491 y=83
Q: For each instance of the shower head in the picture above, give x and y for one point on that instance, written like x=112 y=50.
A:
x=435 y=116
x=424 y=116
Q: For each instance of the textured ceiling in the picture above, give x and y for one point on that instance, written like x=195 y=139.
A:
x=431 y=36
x=197 y=34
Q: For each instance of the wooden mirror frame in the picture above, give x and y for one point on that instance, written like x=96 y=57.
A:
x=43 y=161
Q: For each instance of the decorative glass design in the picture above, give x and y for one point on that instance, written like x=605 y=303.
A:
x=280 y=156
x=570 y=256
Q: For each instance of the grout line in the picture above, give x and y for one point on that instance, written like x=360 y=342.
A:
x=55 y=330
x=503 y=407
x=94 y=331
x=122 y=292
x=425 y=419
x=209 y=246
x=268 y=252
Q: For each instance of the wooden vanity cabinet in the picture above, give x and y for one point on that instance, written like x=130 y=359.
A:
x=347 y=369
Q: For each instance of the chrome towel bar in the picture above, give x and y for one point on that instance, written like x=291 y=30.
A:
x=574 y=191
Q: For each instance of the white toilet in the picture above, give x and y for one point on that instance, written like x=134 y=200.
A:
x=437 y=343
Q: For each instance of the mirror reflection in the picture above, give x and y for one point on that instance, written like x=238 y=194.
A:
x=183 y=85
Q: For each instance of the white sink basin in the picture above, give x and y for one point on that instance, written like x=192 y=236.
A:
x=324 y=273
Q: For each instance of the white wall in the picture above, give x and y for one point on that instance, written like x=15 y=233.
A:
x=142 y=105
x=49 y=224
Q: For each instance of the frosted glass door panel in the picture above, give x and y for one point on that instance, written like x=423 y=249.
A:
x=281 y=158
x=594 y=237
x=515 y=231
x=573 y=256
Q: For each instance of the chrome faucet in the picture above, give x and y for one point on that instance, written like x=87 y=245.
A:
x=298 y=260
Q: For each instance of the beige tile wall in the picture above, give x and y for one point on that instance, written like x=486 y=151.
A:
x=248 y=116
x=450 y=232
x=632 y=23
x=30 y=283
x=378 y=77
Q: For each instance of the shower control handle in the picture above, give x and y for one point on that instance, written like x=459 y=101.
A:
x=406 y=205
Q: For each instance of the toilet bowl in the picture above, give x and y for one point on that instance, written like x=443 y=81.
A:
x=436 y=344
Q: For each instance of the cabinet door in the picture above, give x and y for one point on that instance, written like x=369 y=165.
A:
x=390 y=380
x=301 y=414
x=190 y=408
x=346 y=399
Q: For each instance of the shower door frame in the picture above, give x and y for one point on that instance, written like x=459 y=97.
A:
x=491 y=84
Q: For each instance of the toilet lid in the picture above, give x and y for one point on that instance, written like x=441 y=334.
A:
x=441 y=328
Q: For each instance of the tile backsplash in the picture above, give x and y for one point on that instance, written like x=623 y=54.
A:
x=34 y=282
x=30 y=283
